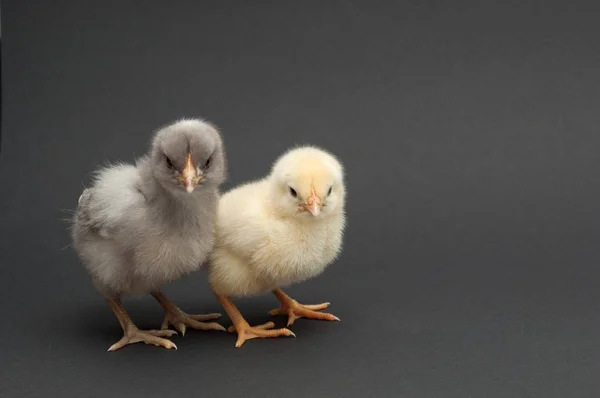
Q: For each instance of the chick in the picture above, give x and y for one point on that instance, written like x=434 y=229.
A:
x=280 y=230
x=141 y=226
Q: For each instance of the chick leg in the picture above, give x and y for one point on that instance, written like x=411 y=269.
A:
x=295 y=310
x=244 y=330
x=180 y=320
x=131 y=334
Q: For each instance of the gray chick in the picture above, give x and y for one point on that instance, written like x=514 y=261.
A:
x=139 y=227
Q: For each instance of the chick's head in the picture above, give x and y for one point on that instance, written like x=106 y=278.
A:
x=307 y=183
x=187 y=155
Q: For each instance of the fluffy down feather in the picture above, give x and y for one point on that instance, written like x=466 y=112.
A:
x=140 y=226
x=266 y=237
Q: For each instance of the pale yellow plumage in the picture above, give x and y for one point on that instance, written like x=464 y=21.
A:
x=267 y=238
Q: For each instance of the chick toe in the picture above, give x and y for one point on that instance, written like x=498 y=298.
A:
x=264 y=326
x=134 y=335
x=295 y=310
x=247 y=332
x=180 y=320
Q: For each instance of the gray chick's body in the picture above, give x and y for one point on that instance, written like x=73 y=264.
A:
x=133 y=236
x=137 y=228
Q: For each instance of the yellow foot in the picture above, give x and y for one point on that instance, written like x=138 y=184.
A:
x=134 y=335
x=295 y=310
x=247 y=332
x=180 y=320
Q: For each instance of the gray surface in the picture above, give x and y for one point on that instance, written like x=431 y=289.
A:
x=471 y=140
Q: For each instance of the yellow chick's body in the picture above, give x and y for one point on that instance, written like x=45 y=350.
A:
x=277 y=231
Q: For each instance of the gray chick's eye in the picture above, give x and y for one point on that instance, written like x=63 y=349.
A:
x=169 y=163
x=207 y=164
x=329 y=192
x=293 y=192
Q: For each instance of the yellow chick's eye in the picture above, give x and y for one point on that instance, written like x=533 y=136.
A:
x=293 y=192
x=329 y=192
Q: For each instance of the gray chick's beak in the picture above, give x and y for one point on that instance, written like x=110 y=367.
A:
x=189 y=176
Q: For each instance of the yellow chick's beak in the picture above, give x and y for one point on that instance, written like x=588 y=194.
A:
x=189 y=175
x=313 y=204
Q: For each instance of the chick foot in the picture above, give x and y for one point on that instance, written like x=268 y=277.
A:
x=295 y=310
x=181 y=321
x=134 y=335
x=244 y=330
x=131 y=334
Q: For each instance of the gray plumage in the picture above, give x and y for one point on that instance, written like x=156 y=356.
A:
x=137 y=228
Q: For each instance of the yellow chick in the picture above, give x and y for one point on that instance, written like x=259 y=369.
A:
x=280 y=230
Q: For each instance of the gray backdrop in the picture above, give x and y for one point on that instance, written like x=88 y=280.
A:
x=470 y=137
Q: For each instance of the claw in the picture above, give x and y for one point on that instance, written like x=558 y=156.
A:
x=221 y=328
x=113 y=347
